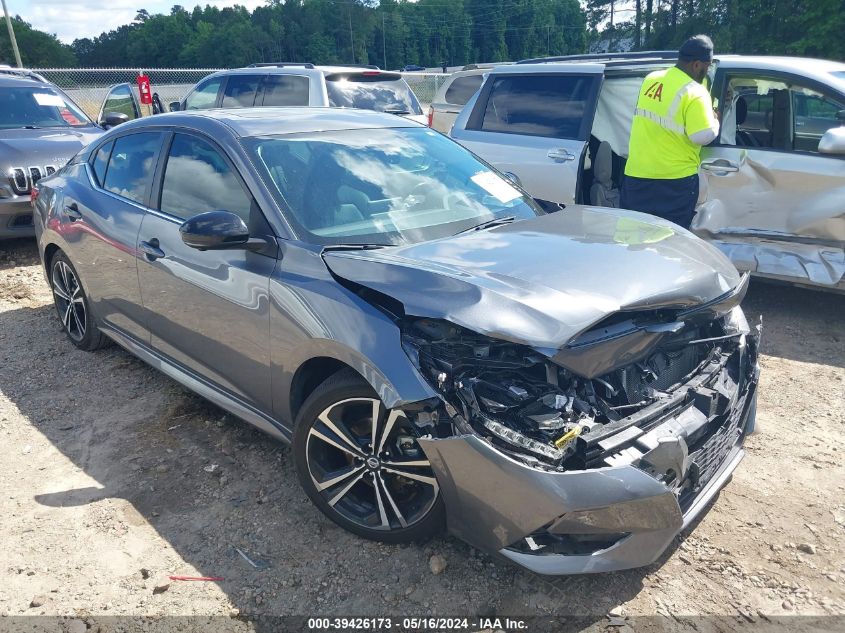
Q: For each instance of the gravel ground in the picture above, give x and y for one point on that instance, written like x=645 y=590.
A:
x=113 y=477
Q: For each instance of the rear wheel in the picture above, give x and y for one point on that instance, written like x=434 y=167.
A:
x=361 y=465
x=72 y=305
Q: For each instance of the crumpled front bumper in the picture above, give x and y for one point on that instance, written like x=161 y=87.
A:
x=494 y=502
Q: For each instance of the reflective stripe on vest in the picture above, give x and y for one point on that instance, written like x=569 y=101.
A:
x=662 y=121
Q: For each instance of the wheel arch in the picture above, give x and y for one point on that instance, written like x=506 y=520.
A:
x=392 y=378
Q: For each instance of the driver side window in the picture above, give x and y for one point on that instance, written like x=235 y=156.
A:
x=198 y=179
x=205 y=96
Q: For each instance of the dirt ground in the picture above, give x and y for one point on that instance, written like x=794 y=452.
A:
x=113 y=477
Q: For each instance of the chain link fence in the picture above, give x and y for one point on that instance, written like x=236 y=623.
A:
x=88 y=86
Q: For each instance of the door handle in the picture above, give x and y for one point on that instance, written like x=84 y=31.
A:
x=562 y=155
x=151 y=249
x=720 y=165
x=73 y=212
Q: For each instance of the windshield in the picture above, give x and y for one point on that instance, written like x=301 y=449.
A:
x=383 y=186
x=372 y=92
x=38 y=107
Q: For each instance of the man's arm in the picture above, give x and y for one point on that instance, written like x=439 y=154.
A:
x=700 y=123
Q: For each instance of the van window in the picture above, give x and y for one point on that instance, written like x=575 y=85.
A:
x=286 y=90
x=240 y=91
x=205 y=96
x=554 y=106
x=462 y=89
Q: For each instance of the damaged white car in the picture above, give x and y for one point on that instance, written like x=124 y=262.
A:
x=772 y=184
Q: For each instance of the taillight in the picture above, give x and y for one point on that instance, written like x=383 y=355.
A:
x=430 y=115
x=33 y=196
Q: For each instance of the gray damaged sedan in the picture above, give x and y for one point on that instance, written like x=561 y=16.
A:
x=567 y=390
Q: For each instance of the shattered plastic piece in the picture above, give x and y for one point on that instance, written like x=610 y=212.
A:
x=210 y=468
x=256 y=564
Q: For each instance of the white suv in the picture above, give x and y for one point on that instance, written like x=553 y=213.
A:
x=287 y=84
x=773 y=182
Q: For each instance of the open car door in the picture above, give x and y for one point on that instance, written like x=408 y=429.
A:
x=534 y=121
x=120 y=99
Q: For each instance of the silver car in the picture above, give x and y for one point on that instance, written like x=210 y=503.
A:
x=772 y=184
x=567 y=390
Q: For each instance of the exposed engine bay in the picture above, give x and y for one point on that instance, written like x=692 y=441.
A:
x=533 y=407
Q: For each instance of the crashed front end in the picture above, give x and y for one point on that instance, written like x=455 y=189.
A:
x=591 y=457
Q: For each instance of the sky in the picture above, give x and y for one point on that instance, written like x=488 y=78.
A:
x=72 y=19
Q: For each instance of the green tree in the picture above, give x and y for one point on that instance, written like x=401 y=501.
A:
x=37 y=49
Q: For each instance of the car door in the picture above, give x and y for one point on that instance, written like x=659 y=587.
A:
x=534 y=123
x=208 y=310
x=103 y=220
x=773 y=202
x=120 y=98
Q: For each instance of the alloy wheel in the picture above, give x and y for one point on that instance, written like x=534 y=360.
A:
x=366 y=464
x=70 y=300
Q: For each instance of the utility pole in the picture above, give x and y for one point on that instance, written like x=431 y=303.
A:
x=548 y=39
x=383 y=46
x=351 y=38
x=12 y=36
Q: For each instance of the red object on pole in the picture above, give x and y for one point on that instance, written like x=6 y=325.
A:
x=145 y=89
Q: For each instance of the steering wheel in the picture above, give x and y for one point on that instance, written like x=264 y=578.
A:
x=416 y=195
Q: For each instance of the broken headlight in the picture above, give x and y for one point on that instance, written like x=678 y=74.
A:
x=505 y=391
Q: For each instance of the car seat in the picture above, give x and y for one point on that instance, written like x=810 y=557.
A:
x=603 y=193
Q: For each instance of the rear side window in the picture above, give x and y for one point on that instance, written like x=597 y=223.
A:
x=205 y=96
x=240 y=91
x=198 y=179
x=462 y=89
x=100 y=162
x=554 y=106
x=381 y=92
x=285 y=90
x=131 y=165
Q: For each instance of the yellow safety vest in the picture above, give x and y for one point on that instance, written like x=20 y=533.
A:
x=671 y=108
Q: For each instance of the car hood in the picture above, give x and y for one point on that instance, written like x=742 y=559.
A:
x=543 y=280
x=41 y=147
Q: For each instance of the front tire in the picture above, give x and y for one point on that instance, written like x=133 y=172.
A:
x=361 y=464
x=72 y=305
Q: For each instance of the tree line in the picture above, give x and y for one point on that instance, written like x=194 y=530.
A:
x=393 y=33
x=804 y=28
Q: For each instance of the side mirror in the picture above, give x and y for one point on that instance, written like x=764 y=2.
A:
x=214 y=230
x=833 y=141
x=174 y=106
x=112 y=119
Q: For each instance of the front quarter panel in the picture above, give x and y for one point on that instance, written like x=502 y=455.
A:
x=313 y=316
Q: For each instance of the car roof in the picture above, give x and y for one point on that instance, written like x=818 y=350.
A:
x=300 y=69
x=270 y=121
x=819 y=69
x=12 y=81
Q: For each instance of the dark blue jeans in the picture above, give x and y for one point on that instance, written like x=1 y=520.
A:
x=673 y=200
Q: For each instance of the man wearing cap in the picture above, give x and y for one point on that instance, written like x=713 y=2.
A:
x=673 y=119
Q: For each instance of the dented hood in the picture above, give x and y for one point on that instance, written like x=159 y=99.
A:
x=543 y=280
